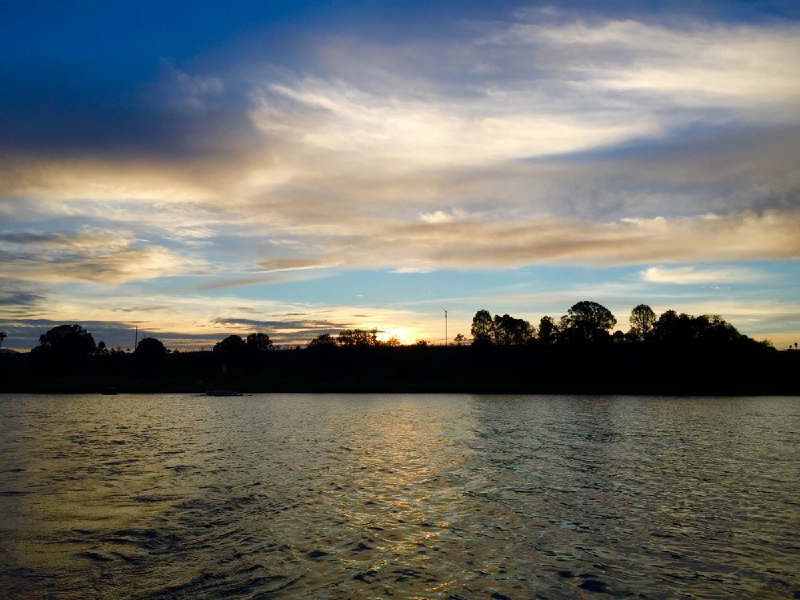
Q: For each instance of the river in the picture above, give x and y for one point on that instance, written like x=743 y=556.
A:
x=403 y=496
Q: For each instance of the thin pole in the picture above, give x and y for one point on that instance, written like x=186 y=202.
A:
x=445 y=329
x=136 y=339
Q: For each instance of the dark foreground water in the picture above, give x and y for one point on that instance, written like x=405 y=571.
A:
x=178 y=496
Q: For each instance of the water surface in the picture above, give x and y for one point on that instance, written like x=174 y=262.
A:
x=440 y=496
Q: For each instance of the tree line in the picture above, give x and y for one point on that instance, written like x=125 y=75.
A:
x=586 y=323
x=580 y=352
x=64 y=341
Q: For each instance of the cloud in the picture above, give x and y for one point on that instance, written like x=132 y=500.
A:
x=292 y=264
x=19 y=299
x=418 y=246
x=91 y=256
x=693 y=275
x=699 y=65
x=436 y=217
x=387 y=132
x=308 y=325
x=407 y=133
x=497 y=244
x=413 y=270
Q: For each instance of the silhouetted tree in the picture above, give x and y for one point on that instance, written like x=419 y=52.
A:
x=422 y=343
x=642 y=320
x=392 y=342
x=150 y=350
x=258 y=342
x=358 y=337
x=713 y=328
x=65 y=340
x=101 y=349
x=324 y=340
x=588 y=322
x=548 y=330
x=672 y=327
x=460 y=339
x=568 y=334
x=2 y=337
x=231 y=344
x=508 y=331
x=482 y=328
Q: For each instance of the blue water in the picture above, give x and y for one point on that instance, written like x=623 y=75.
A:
x=423 y=496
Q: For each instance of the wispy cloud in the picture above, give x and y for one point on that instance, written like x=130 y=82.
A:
x=296 y=326
x=694 y=275
x=94 y=256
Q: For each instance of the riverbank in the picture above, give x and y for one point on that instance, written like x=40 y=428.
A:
x=494 y=370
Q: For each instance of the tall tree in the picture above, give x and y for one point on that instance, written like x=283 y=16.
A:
x=2 y=337
x=642 y=320
x=548 y=330
x=589 y=321
x=482 y=328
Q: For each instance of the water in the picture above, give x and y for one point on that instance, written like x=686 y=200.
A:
x=179 y=496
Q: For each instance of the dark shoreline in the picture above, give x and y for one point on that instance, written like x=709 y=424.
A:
x=606 y=370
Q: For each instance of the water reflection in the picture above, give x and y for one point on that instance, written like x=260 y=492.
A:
x=414 y=496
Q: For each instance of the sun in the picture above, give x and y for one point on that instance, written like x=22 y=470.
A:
x=403 y=334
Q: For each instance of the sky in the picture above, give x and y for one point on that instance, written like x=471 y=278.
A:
x=200 y=169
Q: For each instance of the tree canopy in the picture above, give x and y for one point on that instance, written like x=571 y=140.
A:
x=150 y=351
x=672 y=327
x=324 y=340
x=642 y=321
x=588 y=321
x=358 y=337
x=231 y=344
x=501 y=330
x=508 y=331
x=66 y=340
x=258 y=342
x=548 y=330
x=482 y=326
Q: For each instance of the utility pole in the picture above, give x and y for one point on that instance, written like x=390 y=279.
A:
x=136 y=339
x=445 y=328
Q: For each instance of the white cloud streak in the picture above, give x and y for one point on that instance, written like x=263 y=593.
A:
x=694 y=275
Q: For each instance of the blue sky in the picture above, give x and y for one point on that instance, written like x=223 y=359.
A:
x=201 y=168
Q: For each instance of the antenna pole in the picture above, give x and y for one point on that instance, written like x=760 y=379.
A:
x=136 y=339
x=445 y=328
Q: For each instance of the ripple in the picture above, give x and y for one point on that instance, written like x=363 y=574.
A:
x=174 y=496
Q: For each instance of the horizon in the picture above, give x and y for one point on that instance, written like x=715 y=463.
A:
x=202 y=170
